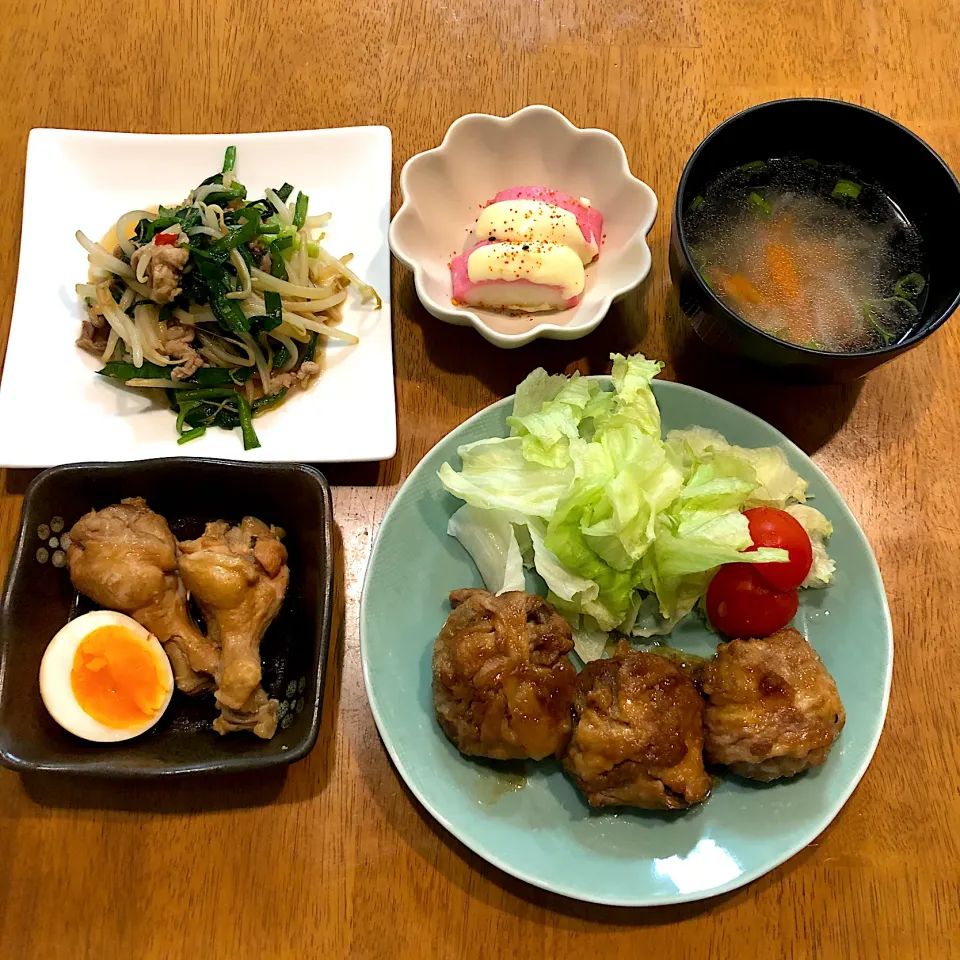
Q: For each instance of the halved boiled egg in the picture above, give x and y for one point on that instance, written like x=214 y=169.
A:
x=104 y=677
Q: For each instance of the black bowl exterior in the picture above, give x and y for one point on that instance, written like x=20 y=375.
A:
x=833 y=132
x=38 y=599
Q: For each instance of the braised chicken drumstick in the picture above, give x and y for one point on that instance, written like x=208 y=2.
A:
x=124 y=558
x=238 y=577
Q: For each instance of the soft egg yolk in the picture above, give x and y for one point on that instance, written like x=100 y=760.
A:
x=115 y=679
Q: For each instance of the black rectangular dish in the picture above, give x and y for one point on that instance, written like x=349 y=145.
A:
x=38 y=599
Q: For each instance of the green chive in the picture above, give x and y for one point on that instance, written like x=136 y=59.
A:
x=281 y=357
x=265 y=403
x=117 y=370
x=191 y=435
x=250 y=438
x=227 y=311
x=870 y=316
x=240 y=375
x=300 y=210
x=759 y=204
x=846 y=190
x=185 y=408
x=274 y=315
x=222 y=197
x=278 y=266
x=249 y=230
x=909 y=287
x=207 y=393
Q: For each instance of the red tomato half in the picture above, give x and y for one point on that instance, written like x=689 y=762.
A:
x=776 y=528
x=740 y=603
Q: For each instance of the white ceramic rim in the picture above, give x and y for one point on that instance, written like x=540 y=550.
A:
x=560 y=887
x=464 y=317
x=378 y=436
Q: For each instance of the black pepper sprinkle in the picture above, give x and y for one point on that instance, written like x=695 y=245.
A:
x=526 y=246
x=491 y=239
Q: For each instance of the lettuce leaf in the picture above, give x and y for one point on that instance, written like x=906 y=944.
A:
x=536 y=390
x=819 y=529
x=497 y=476
x=777 y=483
x=589 y=641
x=649 y=621
x=488 y=536
x=625 y=529
x=547 y=432
x=560 y=580
x=635 y=402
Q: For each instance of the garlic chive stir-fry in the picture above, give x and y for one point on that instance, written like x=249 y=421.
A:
x=220 y=302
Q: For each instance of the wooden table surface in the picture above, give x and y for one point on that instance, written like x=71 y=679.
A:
x=334 y=858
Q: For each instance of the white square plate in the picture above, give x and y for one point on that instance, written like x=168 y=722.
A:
x=55 y=409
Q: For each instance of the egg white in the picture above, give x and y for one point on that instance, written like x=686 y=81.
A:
x=57 y=664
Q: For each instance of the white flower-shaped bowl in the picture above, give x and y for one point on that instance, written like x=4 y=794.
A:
x=444 y=188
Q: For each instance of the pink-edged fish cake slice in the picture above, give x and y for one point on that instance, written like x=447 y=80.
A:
x=523 y=277
x=540 y=213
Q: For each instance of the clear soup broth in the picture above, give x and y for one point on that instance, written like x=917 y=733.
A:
x=810 y=253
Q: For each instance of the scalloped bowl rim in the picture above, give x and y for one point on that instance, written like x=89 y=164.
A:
x=463 y=317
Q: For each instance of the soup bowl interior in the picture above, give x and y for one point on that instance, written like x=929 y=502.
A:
x=882 y=151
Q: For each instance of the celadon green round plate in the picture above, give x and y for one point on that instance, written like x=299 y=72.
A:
x=529 y=820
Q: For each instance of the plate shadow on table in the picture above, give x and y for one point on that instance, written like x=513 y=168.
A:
x=17 y=480
x=179 y=796
x=381 y=473
x=809 y=415
x=461 y=350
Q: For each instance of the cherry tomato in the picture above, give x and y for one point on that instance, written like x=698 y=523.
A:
x=776 y=528
x=740 y=603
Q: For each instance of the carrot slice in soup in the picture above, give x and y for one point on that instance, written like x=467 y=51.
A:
x=783 y=271
x=739 y=288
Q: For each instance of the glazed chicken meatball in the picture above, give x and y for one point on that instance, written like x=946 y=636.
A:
x=638 y=733
x=502 y=680
x=772 y=708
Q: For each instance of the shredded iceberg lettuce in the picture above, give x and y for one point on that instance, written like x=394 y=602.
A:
x=624 y=527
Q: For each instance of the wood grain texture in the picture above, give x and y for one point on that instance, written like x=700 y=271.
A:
x=333 y=858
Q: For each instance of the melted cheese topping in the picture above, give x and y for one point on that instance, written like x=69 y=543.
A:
x=527 y=221
x=550 y=264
